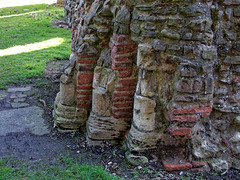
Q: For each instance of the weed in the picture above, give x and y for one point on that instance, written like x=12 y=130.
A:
x=73 y=134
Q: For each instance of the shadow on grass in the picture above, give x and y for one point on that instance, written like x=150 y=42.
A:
x=28 y=42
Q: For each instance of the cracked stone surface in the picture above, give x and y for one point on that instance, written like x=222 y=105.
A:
x=23 y=120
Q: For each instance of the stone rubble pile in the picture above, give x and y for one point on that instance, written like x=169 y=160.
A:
x=158 y=74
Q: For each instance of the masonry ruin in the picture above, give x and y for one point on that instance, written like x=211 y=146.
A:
x=159 y=75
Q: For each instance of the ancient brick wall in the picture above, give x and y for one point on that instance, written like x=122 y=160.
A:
x=161 y=75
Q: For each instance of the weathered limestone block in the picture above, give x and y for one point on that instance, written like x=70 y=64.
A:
x=140 y=141
x=144 y=113
x=68 y=117
x=232 y=60
x=102 y=102
x=105 y=78
x=67 y=94
x=146 y=57
x=105 y=128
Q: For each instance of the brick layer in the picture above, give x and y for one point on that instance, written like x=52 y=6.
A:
x=121 y=56
x=86 y=64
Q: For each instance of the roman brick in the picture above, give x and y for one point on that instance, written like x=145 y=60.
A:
x=123 y=104
x=121 y=64
x=85 y=67
x=197 y=164
x=124 y=74
x=129 y=110
x=84 y=92
x=184 y=118
x=122 y=115
x=128 y=82
x=84 y=98
x=176 y=167
x=205 y=115
x=126 y=88
x=120 y=38
x=84 y=106
x=122 y=57
x=84 y=77
x=84 y=87
x=122 y=68
x=122 y=50
x=192 y=110
x=87 y=61
x=86 y=55
x=180 y=131
x=123 y=94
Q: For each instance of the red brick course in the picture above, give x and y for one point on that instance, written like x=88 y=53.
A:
x=180 y=131
x=84 y=78
x=184 y=118
x=194 y=166
x=86 y=64
x=197 y=164
x=192 y=110
x=177 y=167
x=121 y=56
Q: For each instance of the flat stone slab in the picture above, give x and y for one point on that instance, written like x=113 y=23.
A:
x=19 y=89
x=3 y=94
x=19 y=105
x=19 y=100
x=23 y=120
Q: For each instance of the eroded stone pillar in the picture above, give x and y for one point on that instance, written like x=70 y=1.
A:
x=69 y=112
x=114 y=84
x=175 y=83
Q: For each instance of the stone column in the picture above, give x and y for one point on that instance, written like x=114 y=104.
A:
x=175 y=84
x=114 y=85
x=67 y=110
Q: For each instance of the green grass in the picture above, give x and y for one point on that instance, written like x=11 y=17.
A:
x=30 y=29
x=69 y=169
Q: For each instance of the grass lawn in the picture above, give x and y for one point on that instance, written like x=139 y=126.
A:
x=28 y=41
x=68 y=168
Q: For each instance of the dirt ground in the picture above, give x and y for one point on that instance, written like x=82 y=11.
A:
x=37 y=149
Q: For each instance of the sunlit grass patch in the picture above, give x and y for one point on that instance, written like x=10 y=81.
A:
x=24 y=9
x=32 y=47
x=29 y=41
